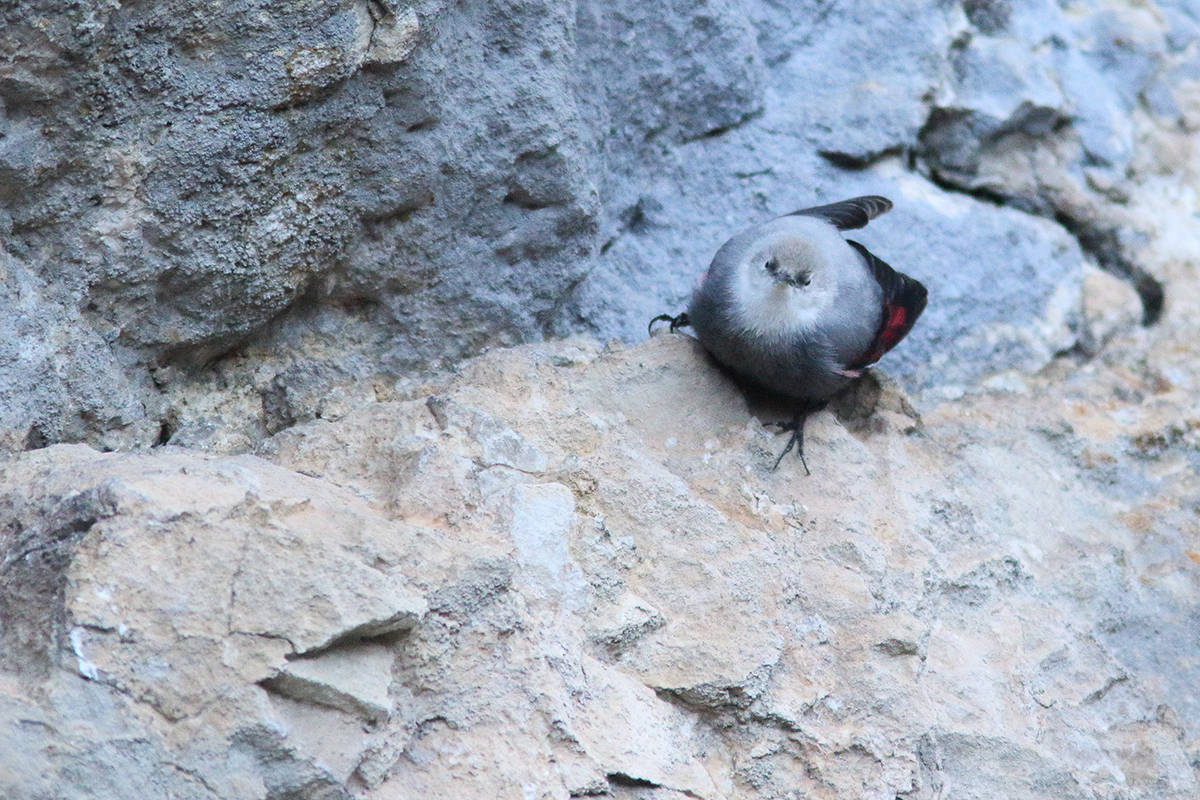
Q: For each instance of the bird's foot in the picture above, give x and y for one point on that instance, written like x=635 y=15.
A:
x=796 y=426
x=680 y=321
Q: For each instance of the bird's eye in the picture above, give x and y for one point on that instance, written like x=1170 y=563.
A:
x=772 y=266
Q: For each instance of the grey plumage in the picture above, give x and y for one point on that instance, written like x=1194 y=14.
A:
x=794 y=339
x=797 y=309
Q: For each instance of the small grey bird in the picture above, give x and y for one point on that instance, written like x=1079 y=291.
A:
x=796 y=309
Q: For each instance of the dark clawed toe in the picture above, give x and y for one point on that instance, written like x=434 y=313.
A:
x=659 y=318
x=796 y=426
x=680 y=321
x=796 y=440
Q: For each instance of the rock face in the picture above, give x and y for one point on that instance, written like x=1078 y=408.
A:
x=278 y=519
x=570 y=571
x=417 y=182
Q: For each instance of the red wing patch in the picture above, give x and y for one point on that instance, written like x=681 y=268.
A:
x=894 y=328
x=891 y=331
x=903 y=301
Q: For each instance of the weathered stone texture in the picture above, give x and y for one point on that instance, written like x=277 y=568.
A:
x=570 y=570
x=280 y=518
x=436 y=178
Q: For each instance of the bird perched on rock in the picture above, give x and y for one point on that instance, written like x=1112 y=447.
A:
x=798 y=310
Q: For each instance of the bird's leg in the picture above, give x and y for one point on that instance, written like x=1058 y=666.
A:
x=680 y=321
x=796 y=426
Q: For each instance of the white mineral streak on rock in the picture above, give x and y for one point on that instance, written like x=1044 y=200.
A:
x=543 y=517
x=86 y=668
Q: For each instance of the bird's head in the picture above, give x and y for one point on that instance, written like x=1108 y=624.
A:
x=785 y=276
x=790 y=262
x=791 y=277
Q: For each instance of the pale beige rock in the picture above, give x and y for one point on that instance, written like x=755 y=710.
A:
x=577 y=574
x=1110 y=304
x=353 y=679
x=394 y=37
x=543 y=518
x=621 y=724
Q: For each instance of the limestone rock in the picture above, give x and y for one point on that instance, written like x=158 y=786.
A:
x=1010 y=581
x=60 y=380
x=329 y=537
x=354 y=680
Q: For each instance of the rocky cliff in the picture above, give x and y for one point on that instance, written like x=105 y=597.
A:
x=318 y=482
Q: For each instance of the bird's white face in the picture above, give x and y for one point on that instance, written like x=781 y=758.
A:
x=783 y=286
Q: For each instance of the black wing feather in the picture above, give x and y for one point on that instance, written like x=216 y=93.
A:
x=849 y=214
x=899 y=292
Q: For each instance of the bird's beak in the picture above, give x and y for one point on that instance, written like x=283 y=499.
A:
x=798 y=280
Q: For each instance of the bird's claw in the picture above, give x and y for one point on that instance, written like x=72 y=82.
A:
x=680 y=321
x=797 y=440
x=796 y=426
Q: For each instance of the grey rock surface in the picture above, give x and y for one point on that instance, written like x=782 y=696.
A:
x=419 y=182
x=219 y=162
x=366 y=549
x=60 y=379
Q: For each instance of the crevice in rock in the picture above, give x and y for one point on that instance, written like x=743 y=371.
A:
x=423 y=125
x=402 y=211
x=1104 y=245
x=636 y=219
x=197 y=776
x=269 y=637
x=233 y=583
x=521 y=198
x=721 y=130
x=1105 y=689
x=949 y=148
x=984 y=194
x=166 y=429
x=855 y=162
x=35 y=439
x=720 y=704
x=629 y=782
x=1083 y=349
x=755 y=173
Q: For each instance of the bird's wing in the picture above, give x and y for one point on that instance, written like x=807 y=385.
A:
x=848 y=214
x=903 y=301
